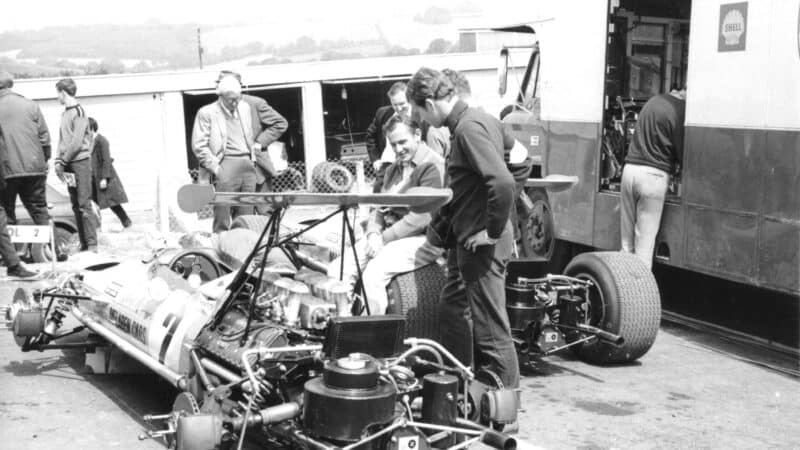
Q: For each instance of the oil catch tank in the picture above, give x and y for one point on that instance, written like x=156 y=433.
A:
x=348 y=398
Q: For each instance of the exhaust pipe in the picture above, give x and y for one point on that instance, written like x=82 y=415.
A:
x=490 y=437
x=151 y=363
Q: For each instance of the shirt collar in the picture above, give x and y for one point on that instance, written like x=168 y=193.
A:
x=420 y=156
x=227 y=112
x=455 y=115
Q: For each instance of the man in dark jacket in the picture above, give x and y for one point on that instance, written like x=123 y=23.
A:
x=107 y=188
x=653 y=157
x=27 y=149
x=14 y=267
x=376 y=139
x=479 y=235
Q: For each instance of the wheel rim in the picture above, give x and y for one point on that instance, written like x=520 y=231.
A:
x=596 y=306
x=68 y=244
x=538 y=230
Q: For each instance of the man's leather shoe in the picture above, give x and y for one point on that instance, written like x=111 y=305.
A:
x=20 y=271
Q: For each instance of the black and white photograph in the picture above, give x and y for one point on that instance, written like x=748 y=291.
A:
x=361 y=225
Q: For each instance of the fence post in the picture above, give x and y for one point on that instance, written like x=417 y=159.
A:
x=360 y=176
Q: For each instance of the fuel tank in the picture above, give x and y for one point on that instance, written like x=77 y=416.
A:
x=149 y=306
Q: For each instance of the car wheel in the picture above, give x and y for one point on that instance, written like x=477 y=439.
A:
x=415 y=296
x=623 y=300
x=64 y=240
x=537 y=241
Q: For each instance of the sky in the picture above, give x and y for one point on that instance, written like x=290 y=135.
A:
x=36 y=14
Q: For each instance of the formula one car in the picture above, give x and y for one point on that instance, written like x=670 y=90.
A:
x=271 y=360
x=283 y=362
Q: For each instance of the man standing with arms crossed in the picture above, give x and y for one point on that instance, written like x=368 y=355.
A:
x=474 y=226
x=74 y=161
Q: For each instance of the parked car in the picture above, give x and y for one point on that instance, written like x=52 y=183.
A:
x=66 y=230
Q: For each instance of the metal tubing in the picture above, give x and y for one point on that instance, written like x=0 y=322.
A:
x=176 y=379
x=416 y=349
x=430 y=426
x=418 y=341
x=201 y=372
x=255 y=385
x=376 y=435
x=489 y=436
x=267 y=416
x=218 y=370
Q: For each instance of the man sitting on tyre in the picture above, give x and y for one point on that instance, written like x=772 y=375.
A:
x=395 y=239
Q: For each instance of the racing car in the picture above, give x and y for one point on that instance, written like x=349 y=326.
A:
x=269 y=359
x=287 y=361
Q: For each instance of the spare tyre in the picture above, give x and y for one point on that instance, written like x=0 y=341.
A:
x=623 y=300
x=331 y=177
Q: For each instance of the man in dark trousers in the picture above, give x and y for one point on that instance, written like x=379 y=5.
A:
x=14 y=267
x=27 y=143
x=268 y=126
x=655 y=154
x=74 y=161
x=474 y=226
x=376 y=139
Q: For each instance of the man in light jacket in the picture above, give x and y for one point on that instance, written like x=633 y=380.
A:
x=222 y=140
x=395 y=239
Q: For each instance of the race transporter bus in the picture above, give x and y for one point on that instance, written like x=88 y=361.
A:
x=733 y=211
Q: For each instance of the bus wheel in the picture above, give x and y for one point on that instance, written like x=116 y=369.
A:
x=623 y=300
x=415 y=296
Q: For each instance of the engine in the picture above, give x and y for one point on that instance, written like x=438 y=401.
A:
x=276 y=360
x=351 y=387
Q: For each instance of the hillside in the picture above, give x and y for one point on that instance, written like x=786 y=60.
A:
x=111 y=48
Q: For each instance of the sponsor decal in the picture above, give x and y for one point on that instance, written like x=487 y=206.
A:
x=732 y=27
x=128 y=325
x=171 y=323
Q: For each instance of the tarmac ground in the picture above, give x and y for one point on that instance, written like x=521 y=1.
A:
x=692 y=390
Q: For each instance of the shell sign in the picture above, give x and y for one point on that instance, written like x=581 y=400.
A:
x=732 y=27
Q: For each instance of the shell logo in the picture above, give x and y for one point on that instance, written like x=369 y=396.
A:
x=732 y=27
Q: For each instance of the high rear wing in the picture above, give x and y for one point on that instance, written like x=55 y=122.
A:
x=193 y=197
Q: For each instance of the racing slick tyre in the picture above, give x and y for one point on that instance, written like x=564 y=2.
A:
x=331 y=177
x=251 y=222
x=624 y=300
x=41 y=253
x=415 y=295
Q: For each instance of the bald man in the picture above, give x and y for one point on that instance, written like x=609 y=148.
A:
x=222 y=140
